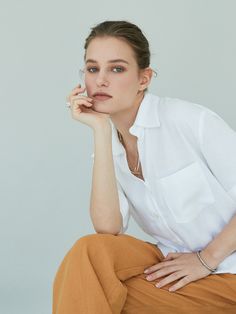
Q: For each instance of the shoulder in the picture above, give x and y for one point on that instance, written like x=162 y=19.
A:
x=179 y=116
x=175 y=108
x=178 y=111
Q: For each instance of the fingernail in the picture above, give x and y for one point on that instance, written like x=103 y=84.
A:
x=145 y=271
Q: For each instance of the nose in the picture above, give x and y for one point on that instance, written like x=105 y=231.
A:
x=102 y=80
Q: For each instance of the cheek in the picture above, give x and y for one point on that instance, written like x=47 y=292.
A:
x=127 y=85
x=131 y=81
x=89 y=87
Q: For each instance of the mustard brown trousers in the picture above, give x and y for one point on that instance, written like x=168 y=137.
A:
x=103 y=274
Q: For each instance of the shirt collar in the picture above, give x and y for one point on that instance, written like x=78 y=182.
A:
x=146 y=117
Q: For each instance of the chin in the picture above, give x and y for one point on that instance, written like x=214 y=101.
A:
x=100 y=110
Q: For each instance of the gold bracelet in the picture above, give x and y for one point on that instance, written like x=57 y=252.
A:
x=204 y=263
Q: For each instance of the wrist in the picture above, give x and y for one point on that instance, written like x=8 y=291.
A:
x=102 y=126
x=210 y=257
x=203 y=262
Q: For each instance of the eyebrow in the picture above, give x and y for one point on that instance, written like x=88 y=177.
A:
x=110 y=61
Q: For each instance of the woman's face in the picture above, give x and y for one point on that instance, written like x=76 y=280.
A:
x=111 y=67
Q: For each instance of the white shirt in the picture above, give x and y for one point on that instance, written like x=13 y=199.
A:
x=188 y=158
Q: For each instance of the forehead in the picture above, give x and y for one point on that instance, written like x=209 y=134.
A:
x=103 y=49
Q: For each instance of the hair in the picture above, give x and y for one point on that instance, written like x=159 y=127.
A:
x=128 y=32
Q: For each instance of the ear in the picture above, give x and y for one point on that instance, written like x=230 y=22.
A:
x=145 y=78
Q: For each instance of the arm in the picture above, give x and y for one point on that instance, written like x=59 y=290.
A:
x=104 y=201
x=218 y=144
x=185 y=267
x=222 y=245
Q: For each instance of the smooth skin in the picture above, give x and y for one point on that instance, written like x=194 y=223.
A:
x=81 y=108
x=183 y=266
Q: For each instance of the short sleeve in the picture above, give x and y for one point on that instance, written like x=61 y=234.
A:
x=124 y=205
x=218 y=145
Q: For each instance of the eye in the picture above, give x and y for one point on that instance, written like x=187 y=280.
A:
x=91 y=70
x=120 y=69
x=116 y=69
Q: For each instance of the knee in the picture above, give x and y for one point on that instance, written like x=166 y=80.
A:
x=92 y=245
x=92 y=241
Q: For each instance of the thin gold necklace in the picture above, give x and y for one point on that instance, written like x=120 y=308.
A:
x=136 y=169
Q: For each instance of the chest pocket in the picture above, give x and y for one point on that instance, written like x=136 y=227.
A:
x=187 y=193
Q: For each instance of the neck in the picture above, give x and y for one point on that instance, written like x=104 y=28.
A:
x=125 y=119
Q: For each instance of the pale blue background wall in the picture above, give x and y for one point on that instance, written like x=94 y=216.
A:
x=45 y=168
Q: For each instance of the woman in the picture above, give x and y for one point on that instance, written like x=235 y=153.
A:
x=169 y=163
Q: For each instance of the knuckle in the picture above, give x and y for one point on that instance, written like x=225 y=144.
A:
x=84 y=103
x=175 y=275
x=173 y=267
x=166 y=264
x=80 y=99
x=84 y=98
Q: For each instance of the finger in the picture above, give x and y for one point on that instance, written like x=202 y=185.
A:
x=172 y=255
x=181 y=283
x=80 y=109
x=81 y=102
x=75 y=91
x=79 y=86
x=161 y=273
x=174 y=276
x=76 y=87
x=168 y=258
x=81 y=97
x=158 y=266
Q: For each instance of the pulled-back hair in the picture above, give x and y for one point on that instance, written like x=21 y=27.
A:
x=128 y=32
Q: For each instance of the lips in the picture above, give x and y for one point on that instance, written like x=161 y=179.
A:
x=101 y=96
